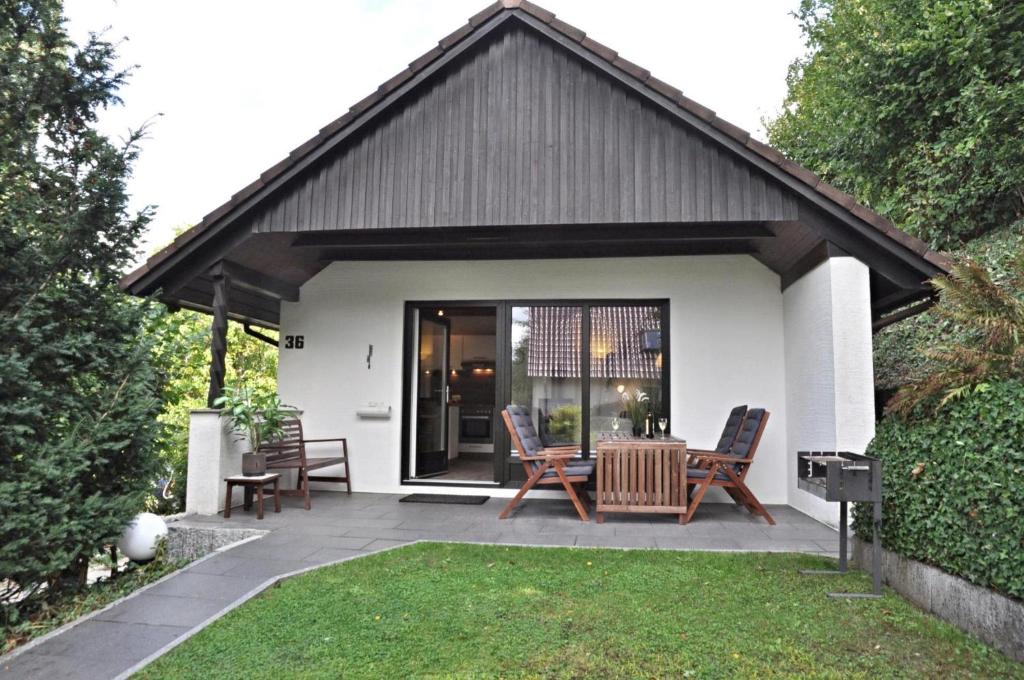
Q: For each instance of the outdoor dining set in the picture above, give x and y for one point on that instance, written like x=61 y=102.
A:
x=638 y=474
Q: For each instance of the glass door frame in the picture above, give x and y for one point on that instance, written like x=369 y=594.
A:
x=410 y=355
x=504 y=462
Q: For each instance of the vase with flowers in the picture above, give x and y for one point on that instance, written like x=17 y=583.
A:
x=636 y=404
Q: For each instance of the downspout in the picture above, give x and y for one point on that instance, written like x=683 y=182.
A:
x=249 y=330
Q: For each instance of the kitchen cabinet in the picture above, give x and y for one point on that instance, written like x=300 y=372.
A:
x=478 y=348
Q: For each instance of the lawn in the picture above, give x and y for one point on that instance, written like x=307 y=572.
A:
x=446 y=610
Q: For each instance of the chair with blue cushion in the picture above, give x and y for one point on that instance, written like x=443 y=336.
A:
x=546 y=465
x=729 y=432
x=728 y=469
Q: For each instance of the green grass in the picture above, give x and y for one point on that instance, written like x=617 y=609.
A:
x=448 y=610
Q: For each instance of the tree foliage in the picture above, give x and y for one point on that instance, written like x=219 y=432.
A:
x=181 y=348
x=78 y=392
x=915 y=107
x=989 y=344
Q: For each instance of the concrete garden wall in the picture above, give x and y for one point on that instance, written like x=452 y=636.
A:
x=994 y=618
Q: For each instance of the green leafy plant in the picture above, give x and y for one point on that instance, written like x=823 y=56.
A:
x=990 y=346
x=256 y=416
x=954 y=487
x=565 y=422
x=636 y=404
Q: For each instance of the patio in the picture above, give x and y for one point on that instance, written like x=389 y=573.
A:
x=116 y=640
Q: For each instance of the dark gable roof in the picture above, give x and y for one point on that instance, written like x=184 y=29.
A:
x=575 y=35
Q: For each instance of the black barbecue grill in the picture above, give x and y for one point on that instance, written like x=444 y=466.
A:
x=842 y=477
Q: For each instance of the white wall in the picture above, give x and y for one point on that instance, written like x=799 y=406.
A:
x=829 y=372
x=726 y=344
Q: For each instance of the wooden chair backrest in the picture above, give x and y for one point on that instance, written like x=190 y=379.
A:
x=288 y=446
x=517 y=442
x=748 y=438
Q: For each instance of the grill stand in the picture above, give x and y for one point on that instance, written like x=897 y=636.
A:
x=844 y=477
x=876 y=554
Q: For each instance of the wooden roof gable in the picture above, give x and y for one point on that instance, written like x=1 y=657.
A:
x=770 y=185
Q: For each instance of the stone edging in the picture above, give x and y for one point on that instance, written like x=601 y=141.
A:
x=18 y=651
x=996 y=619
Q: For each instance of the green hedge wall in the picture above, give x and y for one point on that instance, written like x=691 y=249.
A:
x=954 y=487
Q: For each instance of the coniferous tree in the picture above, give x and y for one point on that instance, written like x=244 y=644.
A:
x=78 y=393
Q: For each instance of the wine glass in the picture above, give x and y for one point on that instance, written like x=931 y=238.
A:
x=662 y=424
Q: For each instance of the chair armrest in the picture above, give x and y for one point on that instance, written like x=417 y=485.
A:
x=723 y=458
x=699 y=452
x=549 y=456
x=561 y=449
x=337 y=439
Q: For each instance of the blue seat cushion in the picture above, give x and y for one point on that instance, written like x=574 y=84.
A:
x=574 y=469
x=694 y=473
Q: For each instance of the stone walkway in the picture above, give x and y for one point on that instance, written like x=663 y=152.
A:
x=115 y=641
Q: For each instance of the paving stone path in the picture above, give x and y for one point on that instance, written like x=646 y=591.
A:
x=115 y=641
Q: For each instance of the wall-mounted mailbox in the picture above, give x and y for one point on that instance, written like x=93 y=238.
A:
x=374 y=411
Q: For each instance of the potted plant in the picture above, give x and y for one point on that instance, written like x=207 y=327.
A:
x=256 y=416
x=636 y=405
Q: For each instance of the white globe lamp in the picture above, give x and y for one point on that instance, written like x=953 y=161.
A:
x=142 y=536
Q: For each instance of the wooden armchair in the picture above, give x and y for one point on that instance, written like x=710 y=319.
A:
x=728 y=470
x=546 y=465
x=289 y=452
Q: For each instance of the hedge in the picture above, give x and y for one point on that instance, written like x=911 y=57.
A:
x=953 y=487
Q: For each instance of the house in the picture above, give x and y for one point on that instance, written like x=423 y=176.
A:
x=524 y=215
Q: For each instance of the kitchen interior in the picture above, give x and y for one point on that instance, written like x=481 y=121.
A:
x=471 y=359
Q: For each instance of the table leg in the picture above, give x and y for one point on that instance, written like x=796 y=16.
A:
x=227 y=501
x=600 y=518
x=259 y=501
x=247 y=497
x=277 y=495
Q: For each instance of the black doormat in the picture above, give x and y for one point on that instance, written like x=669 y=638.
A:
x=444 y=499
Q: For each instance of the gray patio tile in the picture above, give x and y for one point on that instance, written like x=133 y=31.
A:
x=368 y=523
x=394 y=534
x=616 y=541
x=325 y=555
x=161 y=610
x=383 y=544
x=264 y=569
x=336 y=528
x=98 y=640
x=810 y=532
x=432 y=525
x=558 y=540
x=296 y=550
x=198 y=585
x=217 y=564
x=696 y=543
x=336 y=543
x=33 y=665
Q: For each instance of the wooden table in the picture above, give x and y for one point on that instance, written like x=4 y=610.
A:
x=253 y=483
x=641 y=475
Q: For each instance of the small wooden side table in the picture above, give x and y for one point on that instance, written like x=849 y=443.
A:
x=256 y=483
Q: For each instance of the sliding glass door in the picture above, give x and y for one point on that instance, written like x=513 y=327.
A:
x=582 y=367
x=546 y=359
x=588 y=367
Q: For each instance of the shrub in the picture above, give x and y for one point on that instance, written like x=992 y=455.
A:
x=954 y=487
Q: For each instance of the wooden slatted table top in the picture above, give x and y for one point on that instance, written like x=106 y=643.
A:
x=611 y=438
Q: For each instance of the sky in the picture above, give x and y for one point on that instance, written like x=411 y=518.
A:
x=229 y=87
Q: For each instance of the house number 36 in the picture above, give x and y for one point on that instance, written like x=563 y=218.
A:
x=294 y=341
